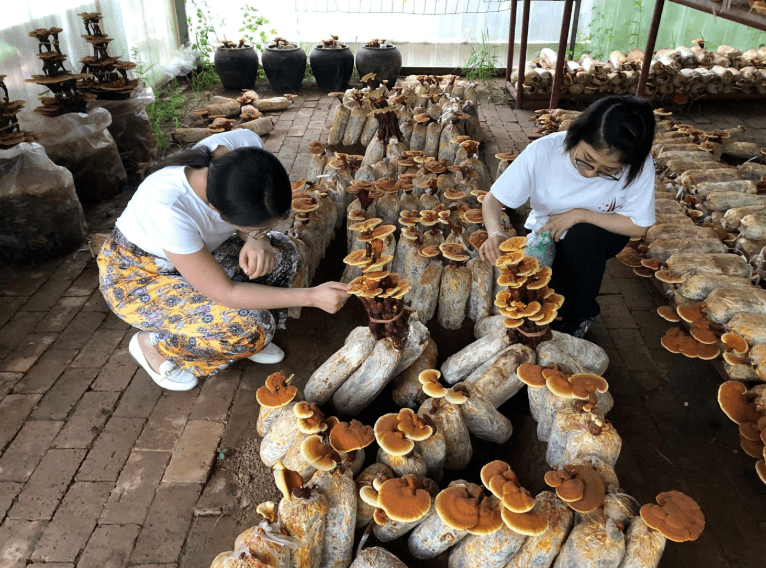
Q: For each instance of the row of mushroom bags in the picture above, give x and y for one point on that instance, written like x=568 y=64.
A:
x=331 y=500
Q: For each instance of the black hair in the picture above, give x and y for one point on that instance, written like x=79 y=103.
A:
x=248 y=186
x=622 y=124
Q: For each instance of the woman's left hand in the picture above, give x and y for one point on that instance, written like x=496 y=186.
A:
x=257 y=257
x=561 y=222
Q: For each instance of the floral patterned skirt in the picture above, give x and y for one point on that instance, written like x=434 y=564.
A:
x=189 y=329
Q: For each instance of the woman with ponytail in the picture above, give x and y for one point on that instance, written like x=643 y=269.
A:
x=194 y=264
x=590 y=189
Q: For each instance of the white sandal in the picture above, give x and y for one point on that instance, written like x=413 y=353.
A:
x=269 y=355
x=171 y=376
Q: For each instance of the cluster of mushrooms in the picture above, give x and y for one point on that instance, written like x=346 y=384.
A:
x=222 y=114
x=66 y=87
x=420 y=173
x=10 y=132
x=329 y=500
x=706 y=250
x=108 y=75
x=678 y=74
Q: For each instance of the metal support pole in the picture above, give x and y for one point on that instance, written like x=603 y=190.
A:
x=650 y=41
x=575 y=24
x=558 y=76
x=522 y=53
x=511 y=42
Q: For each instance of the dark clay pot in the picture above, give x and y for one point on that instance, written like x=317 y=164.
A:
x=332 y=68
x=237 y=67
x=385 y=61
x=284 y=67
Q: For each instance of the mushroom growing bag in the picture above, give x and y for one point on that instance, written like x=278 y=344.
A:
x=643 y=546
x=130 y=127
x=724 y=303
x=591 y=543
x=40 y=215
x=82 y=143
x=266 y=543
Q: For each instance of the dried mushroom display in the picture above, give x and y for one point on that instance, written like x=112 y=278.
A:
x=108 y=76
x=10 y=132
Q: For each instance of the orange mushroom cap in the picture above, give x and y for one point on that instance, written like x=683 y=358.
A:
x=413 y=426
x=404 y=499
x=458 y=506
x=531 y=374
x=318 y=454
x=734 y=403
x=677 y=516
x=349 y=436
x=579 y=485
x=734 y=343
x=531 y=523
x=286 y=480
x=276 y=392
x=669 y=314
x=390 y=439
x=691 y=312
x=669 y=278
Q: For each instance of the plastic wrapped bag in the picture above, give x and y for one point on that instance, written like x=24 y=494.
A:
x=724 y=303
x=542 y=247
x=131 y=129
x=593 y=543
x=643 y=546
x=81 y=142
x=40 y=215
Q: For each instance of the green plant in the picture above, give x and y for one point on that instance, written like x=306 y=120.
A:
x=169 y=104
x=203 y=28
x=141 y=71
x=203 y=77
x=252 y=25
x=483 y=67
x=220 y=453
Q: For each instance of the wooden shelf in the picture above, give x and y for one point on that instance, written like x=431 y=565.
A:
x=738 y=14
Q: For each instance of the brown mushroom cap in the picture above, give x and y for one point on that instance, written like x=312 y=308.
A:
x=458 y=506
x=429 y=251
x=513 y=244
x=412 y=425
x=454 y=251
x=531 y=374
x=429 y=379
x=558 y=383
x=691 y=312
x=531 y=523
x=404 y=499
x=734 y=403
x=669 y=314
x=276 y=392
x=490 y=516
x=677 y=516
x=585 y=384
x=349 y=436
x=318 y=455
x=309 y=423
x=579 y=485
x=390 y=439
x=287 y=480
x=734 y=343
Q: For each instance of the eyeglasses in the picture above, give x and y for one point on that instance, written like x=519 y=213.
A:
x=590 y=167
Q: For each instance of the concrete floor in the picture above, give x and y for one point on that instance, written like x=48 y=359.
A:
x=99 y=467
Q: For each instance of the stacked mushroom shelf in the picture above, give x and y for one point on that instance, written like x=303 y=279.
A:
x=10 y=132
x=676 y=74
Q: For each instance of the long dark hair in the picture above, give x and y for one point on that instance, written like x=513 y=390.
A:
x=622 y=124
x=248 y=186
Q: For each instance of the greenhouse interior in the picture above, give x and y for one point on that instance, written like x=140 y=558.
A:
x=394 y=288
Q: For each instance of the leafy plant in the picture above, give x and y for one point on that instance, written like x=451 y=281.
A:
x=252 y=25
x=221 y=453
x=483 y=67
x=141 y=71
x=203 y=77
x=169 y=104
x=203 y=28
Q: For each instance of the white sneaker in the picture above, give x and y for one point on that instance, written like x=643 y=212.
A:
x=269 y=355
x=171 y=376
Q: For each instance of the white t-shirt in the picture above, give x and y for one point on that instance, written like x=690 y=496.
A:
x=165 y=213
x=545 y=175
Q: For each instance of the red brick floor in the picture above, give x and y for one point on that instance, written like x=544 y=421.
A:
x=101 y=468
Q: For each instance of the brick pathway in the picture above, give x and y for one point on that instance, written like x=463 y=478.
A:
x=101 y=468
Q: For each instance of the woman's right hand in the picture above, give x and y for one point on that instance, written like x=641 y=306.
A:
x=330 y=296
x=490 y=250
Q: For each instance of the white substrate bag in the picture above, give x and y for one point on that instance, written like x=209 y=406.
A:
x=595 y=543
x=81 y=142
x=40 y=215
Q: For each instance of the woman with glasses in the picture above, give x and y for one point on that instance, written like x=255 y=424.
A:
x=193 y=262
x=591 y=188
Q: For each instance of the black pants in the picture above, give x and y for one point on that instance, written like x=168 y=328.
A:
x=578 y=269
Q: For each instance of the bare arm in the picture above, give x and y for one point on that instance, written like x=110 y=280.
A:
x=612 y=222
x=204 y=272
x=492 y=211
